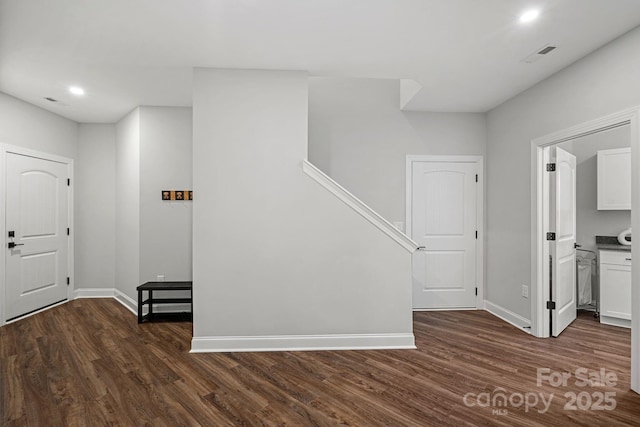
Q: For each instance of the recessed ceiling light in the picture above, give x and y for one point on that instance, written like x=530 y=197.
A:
x=76 y=90
x=529 y=16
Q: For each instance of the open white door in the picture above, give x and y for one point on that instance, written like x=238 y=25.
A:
x=36 y=245
x=562 y=250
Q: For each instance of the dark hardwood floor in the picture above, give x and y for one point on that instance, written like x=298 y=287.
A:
x=88 y=362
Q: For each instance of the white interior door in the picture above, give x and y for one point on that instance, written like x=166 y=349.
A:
x=37 y=198
x=562 y=249
x=444 y=222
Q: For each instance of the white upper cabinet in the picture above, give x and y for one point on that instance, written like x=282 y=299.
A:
x=614 y=179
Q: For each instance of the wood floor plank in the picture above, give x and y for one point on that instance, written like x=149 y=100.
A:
x=12 y=401
x=195 y=405
x=88 y=362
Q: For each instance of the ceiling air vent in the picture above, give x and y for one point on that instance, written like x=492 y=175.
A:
x=544 y=50
x=50 y=99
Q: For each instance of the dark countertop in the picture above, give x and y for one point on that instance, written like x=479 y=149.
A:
x=610 y=243
x=612 y=247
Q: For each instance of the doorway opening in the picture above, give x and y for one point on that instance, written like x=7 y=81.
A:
x=542 y=269
x=603 y=208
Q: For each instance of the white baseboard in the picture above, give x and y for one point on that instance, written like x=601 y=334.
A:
x=264 y=343
x=125 y=300
x=94 y=293
x=119 y=296
x=508 y=316
x=614 y=321
x=303 y=343
x=132 y=305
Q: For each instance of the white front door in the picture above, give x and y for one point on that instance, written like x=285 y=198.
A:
x=36 y=244
x=562 y=249
x=444 y=222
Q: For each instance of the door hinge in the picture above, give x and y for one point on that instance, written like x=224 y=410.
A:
x=551 y=236
x=68 y=182
x=476 y=177
x=68 y=231
x=476 y=234
x=551 y=305
x=68 y=281
x=551 y=167
x=476 y=291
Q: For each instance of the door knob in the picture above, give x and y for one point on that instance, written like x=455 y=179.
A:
x=13 y=245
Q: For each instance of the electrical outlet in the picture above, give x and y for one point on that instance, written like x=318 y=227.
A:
x=525 y=291
x=160 y=278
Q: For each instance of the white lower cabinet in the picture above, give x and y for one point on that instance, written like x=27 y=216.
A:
x=615 y=288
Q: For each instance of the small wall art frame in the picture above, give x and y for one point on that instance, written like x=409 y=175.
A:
x=177 y=195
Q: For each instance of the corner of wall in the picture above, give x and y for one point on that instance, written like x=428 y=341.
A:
x=128 y=203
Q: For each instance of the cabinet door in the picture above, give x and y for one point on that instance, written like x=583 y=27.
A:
x=615 y=291
x=614 y=179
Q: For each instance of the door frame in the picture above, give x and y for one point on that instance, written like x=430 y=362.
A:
x=479 y=161
x=6 y=149
x=539 y=218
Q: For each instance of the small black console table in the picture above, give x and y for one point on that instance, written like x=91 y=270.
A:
x=164 y=286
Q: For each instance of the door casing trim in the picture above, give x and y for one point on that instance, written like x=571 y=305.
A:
x=4 y=150
x=480 y=242
x=539 y=322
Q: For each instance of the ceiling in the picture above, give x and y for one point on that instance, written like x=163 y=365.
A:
x=465 y=55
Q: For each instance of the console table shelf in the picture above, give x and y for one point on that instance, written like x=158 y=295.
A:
x=150 y=301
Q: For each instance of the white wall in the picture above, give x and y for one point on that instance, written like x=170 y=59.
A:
x=359 y=137
x=25 y=125
x=275 y=255
x=128 y=203
x=165 y=164
x=602 y=83
x=32 y=127
x=95 y=206
x=153 y=237
x=590 y=221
